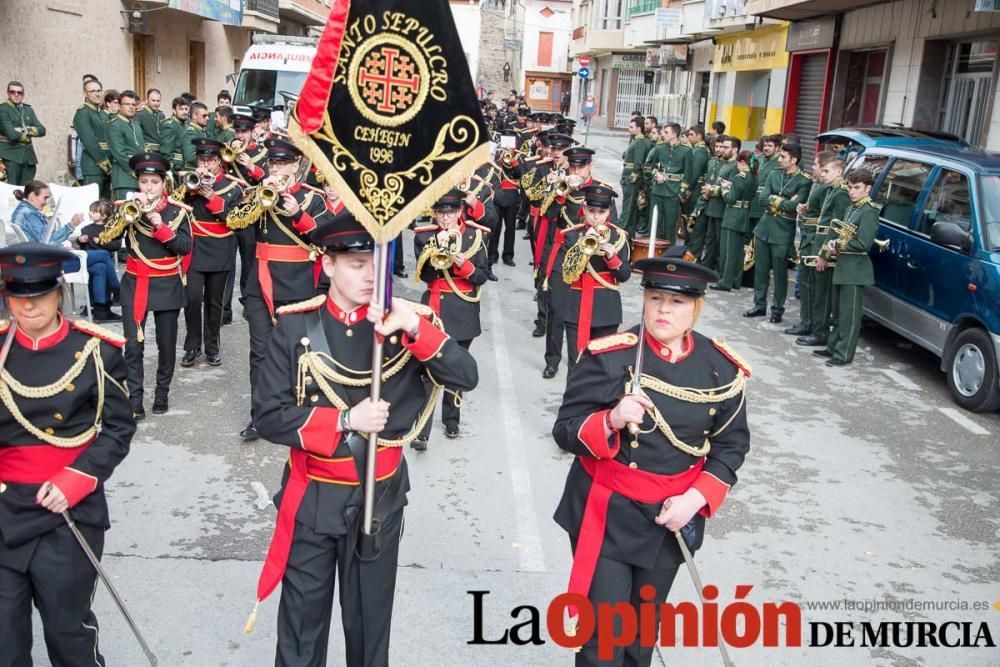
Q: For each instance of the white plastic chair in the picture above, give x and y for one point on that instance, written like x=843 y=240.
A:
x=81 y=277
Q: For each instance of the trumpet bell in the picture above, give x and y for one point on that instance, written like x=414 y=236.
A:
x=882 y=244
x=590 y=244
x=192 y=181
x=131 y=212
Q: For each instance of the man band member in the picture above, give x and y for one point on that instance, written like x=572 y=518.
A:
x=808 y=214
x=671 y=175
x=711 y=203
x=595 y=261
x=849 y=245
x=213 y=255
x=737 y=194
x=91 y=125
x=195 y=130
x=327 y=343
x=784 y=190
x=248 y=167
x=507 y=201
x=19 y=126
x=451 y=259
x=125 y=140
x=283 y=270
x=622 y=489
x=172 y=133
x=699 y=166
x=769 y=145
x=149 y=118
x=153 y=281
x=65 y=425
x=633 y=158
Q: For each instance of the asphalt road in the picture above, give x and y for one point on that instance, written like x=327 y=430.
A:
x=863 y=483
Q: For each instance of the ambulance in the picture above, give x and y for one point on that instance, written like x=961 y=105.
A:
x=272 y=72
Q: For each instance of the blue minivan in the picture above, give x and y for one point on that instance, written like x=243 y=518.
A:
x=938 y=281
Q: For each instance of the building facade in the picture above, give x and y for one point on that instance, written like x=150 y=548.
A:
x=545 y=54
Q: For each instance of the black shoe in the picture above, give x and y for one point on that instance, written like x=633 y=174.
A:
x=754 y=312
x=451 y=431
x=103 y=313
x=836 y=362
x=138 y=413
x=249 y=433
x=190 y=356
x=810 y=341
x=227 y=318
x=774 y=319
x=160 y=405
x=214 y=359
x=539 y=331
x=797 y=330
x=720 y=288
x=401 y=274
x=419 y=444
x=549 y=372
x=823 y=353
x=526 y=237
x=509 y=262
x=116 y=296
x=521 y=225
x=490 y=275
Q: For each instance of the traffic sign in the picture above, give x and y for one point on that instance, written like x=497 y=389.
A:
x=584 y=61
x=583 y=72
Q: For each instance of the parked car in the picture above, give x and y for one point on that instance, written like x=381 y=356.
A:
x=938 y=281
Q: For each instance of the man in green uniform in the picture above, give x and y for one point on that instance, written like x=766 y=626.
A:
x=223 y=118
x=221 y=100
x=18 y=127
x=91 y=127
x=785 y=189
x=150 y=117
x=194 y=130
x=125 y=139
x=634 y=157
x=700 y=157
x=670 y=178
x=808 y=217
x=737 y=193
x=769 y=144
x=854 y=268
x=172 y=132
x=711 y=203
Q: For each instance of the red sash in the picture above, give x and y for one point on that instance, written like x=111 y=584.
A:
x=441 y=285
x=35 y=464
x=587 y=284
x=143 y=272
x=306 y=467
x=273 y=252
x=210 y=228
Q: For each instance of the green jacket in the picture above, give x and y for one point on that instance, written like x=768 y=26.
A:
x=634 y=158
x=854 y=265
x=18 y=127
x=737 y=196
x=225 y=136
x=676 y=162
x=171 y=133
x=150 y=122
x=766 y=167
x=191 y=133
x=835 y=203
x=810 y=219
x=699 y=165
x=124 y=140
x=91 y=126
x=781 y=195
x=718 y=170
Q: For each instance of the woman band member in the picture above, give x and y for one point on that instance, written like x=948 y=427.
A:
x=65 y=424
x=625 y=494
x=153 y=282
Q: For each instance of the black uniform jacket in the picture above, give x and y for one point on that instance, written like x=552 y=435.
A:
x=596 y=385
x=460 y=315
x=312 y=425
x=214 y=246
x=606 y=308
x=32 y=449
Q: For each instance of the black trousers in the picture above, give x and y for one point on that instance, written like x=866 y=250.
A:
x=204 y=297
x=166 y=346
x=60 y=581
x=366 y=597
x=261 y=328
x=571 y=332
x=616 y=582
x=508 y=221
x=554 y=326
x=450 y=412
x=246 y=245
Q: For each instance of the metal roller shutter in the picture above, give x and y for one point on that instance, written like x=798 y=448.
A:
x=810 y=105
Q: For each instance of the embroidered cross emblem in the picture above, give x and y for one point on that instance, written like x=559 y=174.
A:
x=388 y=80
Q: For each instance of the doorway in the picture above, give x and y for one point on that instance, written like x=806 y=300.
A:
x=196 y=68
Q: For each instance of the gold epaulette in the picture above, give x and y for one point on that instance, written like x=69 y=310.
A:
x=573 y=228
x=728 y=352
x=96 y=330
x=425 y=228
x=476 y=225
x=303 y=306
x=875 y=205
x=616 y=341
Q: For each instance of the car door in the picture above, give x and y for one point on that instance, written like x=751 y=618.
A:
x=886 y=272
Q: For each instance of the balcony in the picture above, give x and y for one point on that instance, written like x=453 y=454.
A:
x=261 y=15
x=640 y=29
x=306 y=12
x=796 y=10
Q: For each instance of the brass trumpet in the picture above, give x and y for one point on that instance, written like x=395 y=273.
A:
x=443 y=257
x=133 y=210
x=269 y=195
x=193 y=180
x=233 y=151
x=590 y=242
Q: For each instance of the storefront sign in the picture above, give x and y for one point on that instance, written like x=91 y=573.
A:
x=812 y=34
x=229 y=12
x=628 y=61
x=763 y=48
x=988 y=5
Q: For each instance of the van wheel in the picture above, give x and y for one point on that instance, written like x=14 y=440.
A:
x=972 y=371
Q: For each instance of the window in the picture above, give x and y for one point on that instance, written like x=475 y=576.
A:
x=544 y=49
x=901 y=190
x=948 y=202
x=611 y=14
x=874 y=163
x=989 y=190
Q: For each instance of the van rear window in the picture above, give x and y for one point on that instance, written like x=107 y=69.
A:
x=989 y=186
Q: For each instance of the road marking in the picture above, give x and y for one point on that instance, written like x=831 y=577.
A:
x=964 y=422
x=900 y=379
x=529 y=552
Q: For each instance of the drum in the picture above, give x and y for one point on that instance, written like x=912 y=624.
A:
x=640 y=248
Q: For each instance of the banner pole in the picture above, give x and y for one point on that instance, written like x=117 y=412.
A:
x=381 y=263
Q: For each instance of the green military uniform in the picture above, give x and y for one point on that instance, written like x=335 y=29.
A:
x=171 y=134
x=18 y=127
x=125 y=139
x=764 y=169
x=225 y=136
x=91 y=127
x=775 y=236
x=737 y=196
x=700 y=160
x=853 y=271
x=634 y=158
x=675 y=162
x=191 y=132
x=713 y=207
x=816 y=285
x=809 y=221
x=150 y=121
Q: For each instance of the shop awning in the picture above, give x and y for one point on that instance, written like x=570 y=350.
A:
x=796 y=10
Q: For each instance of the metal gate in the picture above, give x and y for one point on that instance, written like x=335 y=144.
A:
x=967 y=105
x=812 y=80
x=633 y=94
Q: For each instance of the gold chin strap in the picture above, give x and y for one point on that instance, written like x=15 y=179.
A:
x=10 y=386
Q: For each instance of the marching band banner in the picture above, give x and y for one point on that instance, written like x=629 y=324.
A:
x=389 y=112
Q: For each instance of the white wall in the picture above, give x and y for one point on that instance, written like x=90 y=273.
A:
x=467 y=21
x=560 y=24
